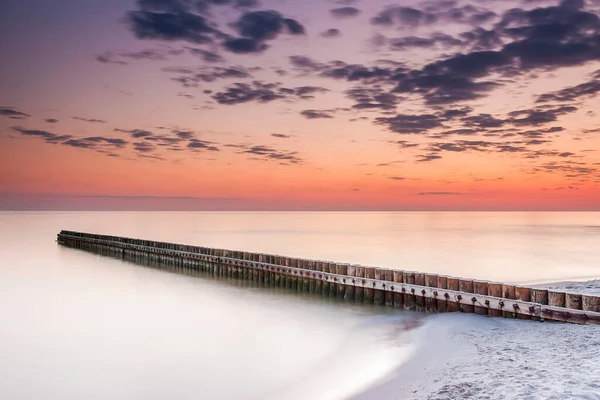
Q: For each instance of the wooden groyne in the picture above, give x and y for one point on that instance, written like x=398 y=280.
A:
x=390 y=287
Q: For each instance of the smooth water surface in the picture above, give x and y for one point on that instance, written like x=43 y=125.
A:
x=77 y=325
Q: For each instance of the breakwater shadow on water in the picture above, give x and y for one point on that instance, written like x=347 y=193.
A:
x=311 y=291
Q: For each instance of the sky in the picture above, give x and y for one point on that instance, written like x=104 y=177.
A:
x=300 y=105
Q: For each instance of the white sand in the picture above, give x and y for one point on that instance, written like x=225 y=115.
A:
x=465 y=356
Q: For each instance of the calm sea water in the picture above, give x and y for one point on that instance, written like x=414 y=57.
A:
x=77 y=325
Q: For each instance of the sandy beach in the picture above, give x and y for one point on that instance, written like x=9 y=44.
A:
x=462 y=356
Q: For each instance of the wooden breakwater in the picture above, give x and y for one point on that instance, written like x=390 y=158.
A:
x=391 y=287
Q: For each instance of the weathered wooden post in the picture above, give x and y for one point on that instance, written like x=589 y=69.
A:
x=410 y=302
x=442 y=302
x=389 y=295
x=523 y=294
x=420 y=300
x=495 y=289
x=378 y=296
x=509 y=292
x=350 y=288
x=539 y=296
x=466 y=285
x=480 y=287
x=341 y=269
x=591 y=303
x=398 y=297
x=431 y=280
x=318 y=280
x=452 y=305
x=359 y=291
x=574 y=301
x=369 y=292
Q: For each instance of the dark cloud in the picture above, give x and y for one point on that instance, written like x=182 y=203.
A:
x=206 y=56
x=405 y=144
x=190 y=77
x=48 y=137
x=96 y=121
x=98 y=143
x=197 y=145
x=95 y=142
x=537 y=117
x=261 y=92
x=373 y=97
x=121 y=57
x=410 y=124
x=206 y=5
x=136 y=133
x=397 y=178
x=51 y=120
x=331 y=33
x=428 y=157
x=344 y=12
x=567 y=168
x=12 y=113
x=280 y=135
x=587 y=89
x=404 y=16
x=171 y=25
x=436 y=39
x=316 y=114
x=257 y=27
x=143 y=147
x=267 y=153
x=244 y=46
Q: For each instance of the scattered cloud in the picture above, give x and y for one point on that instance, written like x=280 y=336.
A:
x=96 y=121
x=344 y=12
x=262 y=92
x=331 y=33
x=12 y=113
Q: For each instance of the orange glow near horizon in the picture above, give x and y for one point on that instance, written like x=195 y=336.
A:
x=93 y=126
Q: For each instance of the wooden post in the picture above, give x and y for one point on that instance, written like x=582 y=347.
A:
x=350 y=289
x=420 y=300
x=389 y=295
x=509 y=292
x=556 y=299
x=409 y=296
x=466 y=285
x=275 y=275
x=312 y=282
x=398 y=297
x=369 y=293
x=359 y=292
x=326 y=284
x=591 y=303
x=452 y=305
x=495 y=289
x=319 y=281
x=442 y=303
x=523 y=294
x=574 y=301
x=539 y=296
x=431 y=280
x=342 y=269
x=333 y=287
x=260 y=274
x=378 y=297
x=294 y=276
x=480 y=287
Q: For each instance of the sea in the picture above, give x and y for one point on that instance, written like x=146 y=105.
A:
x=76 y=325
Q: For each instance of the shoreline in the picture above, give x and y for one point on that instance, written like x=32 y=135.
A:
x=466 y=356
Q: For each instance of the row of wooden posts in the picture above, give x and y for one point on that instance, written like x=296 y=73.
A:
x=391 y=287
